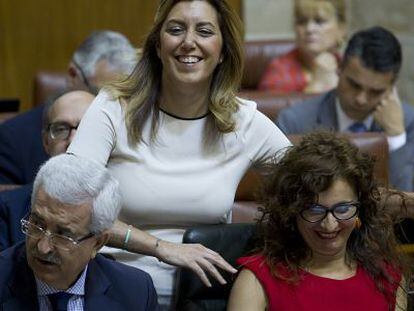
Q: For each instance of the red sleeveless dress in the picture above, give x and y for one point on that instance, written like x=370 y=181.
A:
x=322 y=294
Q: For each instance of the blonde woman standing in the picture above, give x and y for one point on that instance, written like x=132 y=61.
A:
x=178 y=140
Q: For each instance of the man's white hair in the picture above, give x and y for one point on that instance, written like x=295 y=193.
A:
x=76 y=180
x=112 y=46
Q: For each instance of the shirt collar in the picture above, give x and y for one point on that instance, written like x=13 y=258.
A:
x=78 y=288
x=344 y=122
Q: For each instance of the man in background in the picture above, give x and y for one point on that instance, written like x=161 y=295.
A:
x=366 y=100
x=62 y=116
x=101 y=58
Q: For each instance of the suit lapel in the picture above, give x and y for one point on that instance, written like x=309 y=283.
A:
x=22 y=286
x=21 y=304
x=98 y=290
x=327 y=117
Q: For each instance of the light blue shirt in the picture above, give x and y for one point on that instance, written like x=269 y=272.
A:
x=75 y=303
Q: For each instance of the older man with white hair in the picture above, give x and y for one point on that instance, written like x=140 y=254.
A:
x=74 y=204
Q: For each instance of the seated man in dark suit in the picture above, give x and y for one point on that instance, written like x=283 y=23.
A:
x=366 y=99
x=61 y=117
x=75 y=203
x=103 y=56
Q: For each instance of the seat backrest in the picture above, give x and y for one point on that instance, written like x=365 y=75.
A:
x=270 y=103
x=257 y=56
x=231 y=241
x=9 y=105
x=47 y=83
x=245 y=212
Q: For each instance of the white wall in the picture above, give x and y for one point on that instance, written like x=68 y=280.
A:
x=268 y=19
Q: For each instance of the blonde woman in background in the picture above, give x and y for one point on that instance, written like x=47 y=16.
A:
x=320 y=27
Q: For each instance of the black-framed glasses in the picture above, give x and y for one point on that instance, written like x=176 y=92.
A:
x=94 y=90
x=342 y=211
x=60 y=130
x=59 y=241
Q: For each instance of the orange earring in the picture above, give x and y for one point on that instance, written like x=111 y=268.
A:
x=358 y=223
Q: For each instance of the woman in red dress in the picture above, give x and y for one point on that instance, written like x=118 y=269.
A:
x=326 y=242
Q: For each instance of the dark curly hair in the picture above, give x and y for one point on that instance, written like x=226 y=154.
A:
x=302 y=173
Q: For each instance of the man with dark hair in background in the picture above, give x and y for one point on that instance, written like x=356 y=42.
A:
x=366 y=100
x=102 y=57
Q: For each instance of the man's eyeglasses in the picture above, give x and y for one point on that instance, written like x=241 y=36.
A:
x=342 y=211
x=60 y=130
x=85 y=80
x=59 y=241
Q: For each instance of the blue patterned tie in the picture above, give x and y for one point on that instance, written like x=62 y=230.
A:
x=358 y=127
x=59 y=301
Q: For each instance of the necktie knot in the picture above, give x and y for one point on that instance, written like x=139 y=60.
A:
x=358 y=127
x=59 y=301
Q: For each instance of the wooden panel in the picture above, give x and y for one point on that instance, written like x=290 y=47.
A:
x=236 y=4
x=42 y=35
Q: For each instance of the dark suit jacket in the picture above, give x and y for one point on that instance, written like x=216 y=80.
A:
x=14 y=205
x=21 y=148
x=109 y=285
x=320 y=113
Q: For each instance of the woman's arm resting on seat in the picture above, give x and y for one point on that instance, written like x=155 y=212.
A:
x=196 y=257
x=399 y=204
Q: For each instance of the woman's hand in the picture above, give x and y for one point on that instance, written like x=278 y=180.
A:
x=201 y=260
x=196 y=257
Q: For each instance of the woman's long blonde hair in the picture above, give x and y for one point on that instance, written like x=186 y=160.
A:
x=141 y=90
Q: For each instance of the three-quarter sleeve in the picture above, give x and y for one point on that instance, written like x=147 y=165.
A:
x=95 y=138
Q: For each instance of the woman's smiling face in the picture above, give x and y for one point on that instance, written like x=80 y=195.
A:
x=190 y=43
x=329 y=237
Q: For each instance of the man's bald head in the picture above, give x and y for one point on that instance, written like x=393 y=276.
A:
x=61 y=117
